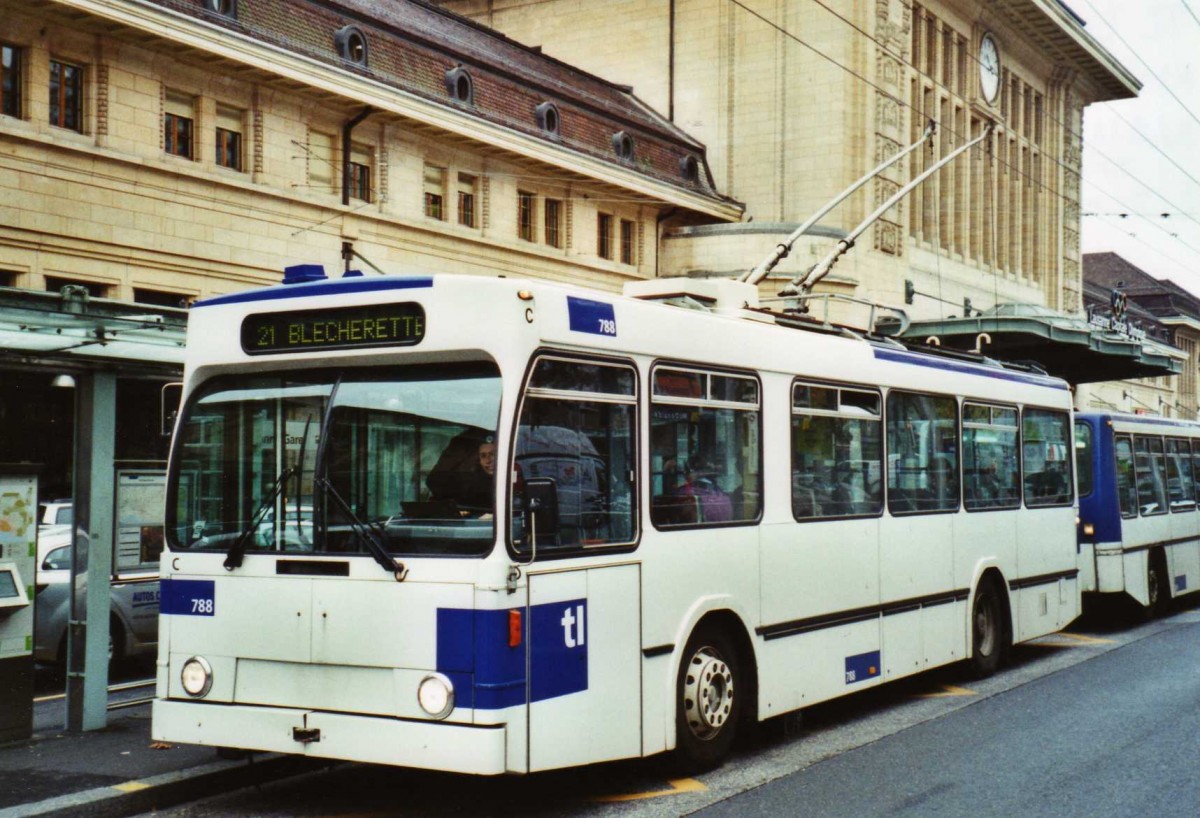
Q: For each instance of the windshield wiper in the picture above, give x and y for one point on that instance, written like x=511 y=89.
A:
x=238 y=550
x=368 y=533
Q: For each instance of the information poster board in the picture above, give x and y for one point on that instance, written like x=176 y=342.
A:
x=141 y=505
x=18 y=556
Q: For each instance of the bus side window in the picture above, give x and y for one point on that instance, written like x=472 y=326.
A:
x=1127 y=497
x=991 y=478
x=1083 y=458
x=922 y=453
x=705 y=458
x=1150 y=474
x=836 y=452
x=1180 y=486
x=575 y=452
x=1044 y=446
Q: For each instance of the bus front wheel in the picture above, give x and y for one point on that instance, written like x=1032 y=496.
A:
x=987 y=630
x=710 y=688
x=1156 y=586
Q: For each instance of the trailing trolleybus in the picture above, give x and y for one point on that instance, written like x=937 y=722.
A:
x=497 y=526
x=1139 y=529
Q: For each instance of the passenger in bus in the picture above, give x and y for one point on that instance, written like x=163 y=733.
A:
x=713 y=505
x=465 y=475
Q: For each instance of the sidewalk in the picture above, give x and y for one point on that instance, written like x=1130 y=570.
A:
x=120 y=771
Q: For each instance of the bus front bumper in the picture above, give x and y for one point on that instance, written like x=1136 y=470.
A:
x=429 y=745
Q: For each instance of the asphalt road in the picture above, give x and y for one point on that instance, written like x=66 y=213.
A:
x=1101 y=720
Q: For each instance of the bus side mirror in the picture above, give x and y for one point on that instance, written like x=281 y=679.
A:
x=171 y=395
x=541 y=508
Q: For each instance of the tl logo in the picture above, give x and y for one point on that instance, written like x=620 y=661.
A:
x=574 y=626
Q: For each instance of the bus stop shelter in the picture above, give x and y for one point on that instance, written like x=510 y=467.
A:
x=52 y=341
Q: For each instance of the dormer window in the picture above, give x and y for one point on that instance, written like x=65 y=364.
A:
x=623 y=146
x=689 y=169
x=225 y=8
x=547 y=118
x=459 y=85
x=351 y=44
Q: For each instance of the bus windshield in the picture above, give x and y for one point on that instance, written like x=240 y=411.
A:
x=303 y=461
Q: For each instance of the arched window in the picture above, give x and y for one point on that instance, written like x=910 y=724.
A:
x=351 y=44
x=623 y=146
x=459 y=85
x=547 y=118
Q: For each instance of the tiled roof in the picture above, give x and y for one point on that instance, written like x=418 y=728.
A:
x=412 y=44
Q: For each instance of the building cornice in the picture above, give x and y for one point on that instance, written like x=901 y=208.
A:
x=1050 y=21
x=203 y=36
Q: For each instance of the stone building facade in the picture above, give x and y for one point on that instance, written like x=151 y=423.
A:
x=795 y=100
x=164 y=151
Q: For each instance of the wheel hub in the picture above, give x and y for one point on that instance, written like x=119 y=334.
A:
x=985 y=629
x=707 y=693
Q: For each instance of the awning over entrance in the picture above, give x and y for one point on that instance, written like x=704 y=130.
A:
x=74 y=331
x=1068 y=347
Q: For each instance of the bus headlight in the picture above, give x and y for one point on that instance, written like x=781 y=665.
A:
x=196 y=677
x=1089 y=530
x=436 y=695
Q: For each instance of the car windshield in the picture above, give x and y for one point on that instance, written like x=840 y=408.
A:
x=296 y=462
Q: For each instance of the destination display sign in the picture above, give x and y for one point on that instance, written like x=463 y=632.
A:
x=370 y=325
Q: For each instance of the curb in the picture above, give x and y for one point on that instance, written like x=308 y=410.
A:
x=168 y=789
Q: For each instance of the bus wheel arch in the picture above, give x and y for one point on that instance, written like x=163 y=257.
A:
x=716 y=691
x=990 y=630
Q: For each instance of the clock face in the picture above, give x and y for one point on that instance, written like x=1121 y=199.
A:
x=989 y=68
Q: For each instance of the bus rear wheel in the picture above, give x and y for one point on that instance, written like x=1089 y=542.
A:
x=987 y=630
x=1156 y=586
x=709 y=707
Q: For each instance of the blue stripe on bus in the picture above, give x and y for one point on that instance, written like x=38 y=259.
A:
x=334 y=286
x=187 y=597
x=473 y=652
x=916 y=359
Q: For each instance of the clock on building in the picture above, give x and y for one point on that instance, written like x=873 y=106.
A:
x=989 y=68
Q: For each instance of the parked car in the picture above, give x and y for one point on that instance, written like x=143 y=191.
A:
x=133 y=612
x=55 y=514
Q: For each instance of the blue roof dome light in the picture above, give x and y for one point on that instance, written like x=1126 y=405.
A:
x=303 y=273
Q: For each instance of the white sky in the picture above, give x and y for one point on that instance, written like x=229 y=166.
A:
x=1159 y=42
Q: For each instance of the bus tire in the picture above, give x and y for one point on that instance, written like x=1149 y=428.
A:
x=987 y=630
x=1157 y=588
x=710 y=690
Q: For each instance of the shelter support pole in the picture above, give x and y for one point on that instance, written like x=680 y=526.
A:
x=92 y=556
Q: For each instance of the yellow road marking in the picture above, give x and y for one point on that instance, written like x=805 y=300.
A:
x=1087 y=640
x=946 y=692
x=678 y=785
x=131 y=786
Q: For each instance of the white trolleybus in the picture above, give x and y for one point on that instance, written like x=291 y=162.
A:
x=499 y=526
x=1139 y=530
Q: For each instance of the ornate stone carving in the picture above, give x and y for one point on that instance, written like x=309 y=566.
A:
x=102 y=100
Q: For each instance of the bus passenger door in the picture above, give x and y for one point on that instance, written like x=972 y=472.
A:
x=584 y=666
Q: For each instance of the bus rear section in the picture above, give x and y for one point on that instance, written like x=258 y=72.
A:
x=1139 y=528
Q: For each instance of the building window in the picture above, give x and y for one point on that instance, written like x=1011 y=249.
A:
x=623 y=146
x=525 y=215
x=435 y=192
x=360 y=173
x=547 y=118
x=55 y=284
x=604 y=235
x=466 y=199
x=66 y=95
x=226 y=8
x=8 y=278
x=178 y=121
x=229 y=138
x=459 y=85
x=689 y=169
x=554 y=222
x=627 y=254
x=320 y=162
x=160 y=298
x=10 y=88
x=351 y=45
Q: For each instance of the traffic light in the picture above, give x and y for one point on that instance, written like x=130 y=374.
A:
x=910 y=290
